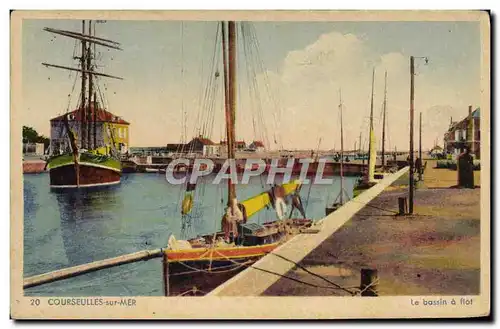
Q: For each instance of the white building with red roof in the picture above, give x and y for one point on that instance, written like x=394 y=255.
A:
x=257 y=146
x=110 y=129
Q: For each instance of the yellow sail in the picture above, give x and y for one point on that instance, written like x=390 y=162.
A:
x=187 y=204
x=373 y=157
x=291 y=187
x=255 y=204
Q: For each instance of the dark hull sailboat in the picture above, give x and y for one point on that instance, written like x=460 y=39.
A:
x=86 y=161
x=91 y=171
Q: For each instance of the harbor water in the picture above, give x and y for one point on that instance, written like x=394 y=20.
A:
x=63 y=229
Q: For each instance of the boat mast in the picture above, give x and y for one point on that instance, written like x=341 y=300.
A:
x=341 y=151
x=383 y=120
x=85 y=70
x=89 y=108
x=83 y=126
x=94 y=120
x=230 y=98
x=370 y=146
x=359 y=146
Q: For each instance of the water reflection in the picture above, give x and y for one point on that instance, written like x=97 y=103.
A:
x=85 y=215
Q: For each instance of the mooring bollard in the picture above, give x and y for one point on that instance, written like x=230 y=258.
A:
x=369 y=281
x=403 y=206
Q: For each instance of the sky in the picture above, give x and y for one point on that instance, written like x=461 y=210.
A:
x=288 y=91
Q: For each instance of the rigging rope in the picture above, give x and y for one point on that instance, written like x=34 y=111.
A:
x=295 y=279
x=312 y=273
x=310 y=185
x=277 y=106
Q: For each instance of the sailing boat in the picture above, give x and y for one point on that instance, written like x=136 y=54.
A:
x=85 y=156
x=204 y=262
x=339 y=201
x=387 y=166
x=368 y=180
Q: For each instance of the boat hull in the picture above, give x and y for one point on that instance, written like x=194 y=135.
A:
x=63 y=173
x=200 y=270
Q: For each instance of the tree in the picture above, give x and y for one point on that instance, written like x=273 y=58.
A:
x=30 y=135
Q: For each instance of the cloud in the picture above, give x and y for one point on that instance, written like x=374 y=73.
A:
x=309 y=81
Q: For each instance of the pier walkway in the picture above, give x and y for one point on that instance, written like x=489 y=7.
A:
x=254 y=282
x=434 y=251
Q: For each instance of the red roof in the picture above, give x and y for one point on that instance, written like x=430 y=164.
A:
x=258 y=144
x=202 y=140
x=102 y=116
x=237 y=143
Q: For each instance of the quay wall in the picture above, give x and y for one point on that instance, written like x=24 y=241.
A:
x=253 y=282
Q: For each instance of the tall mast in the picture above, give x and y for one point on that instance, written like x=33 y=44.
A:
x=229 y=63
x=383 y=120
x=341 y=151
x=226 y=85
x=94 y=120
x=86 y=70
x=359 y=145
x=82 y=105
x=371 y=139
x=89 y=109
x=232 y=96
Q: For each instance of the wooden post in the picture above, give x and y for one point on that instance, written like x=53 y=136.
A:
x=369 y=278
x=420 y=149
x=412 y=163
x=402 y=206
x=166 y=275
x=341 y=151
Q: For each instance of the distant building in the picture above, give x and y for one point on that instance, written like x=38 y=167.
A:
x=436 y=151
x=110 y=129
x=33 y=149
x=239 y=145
x=257 y=146
x=175 y=148
x=199 y=145
x=149 y=150
x=464 y=133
